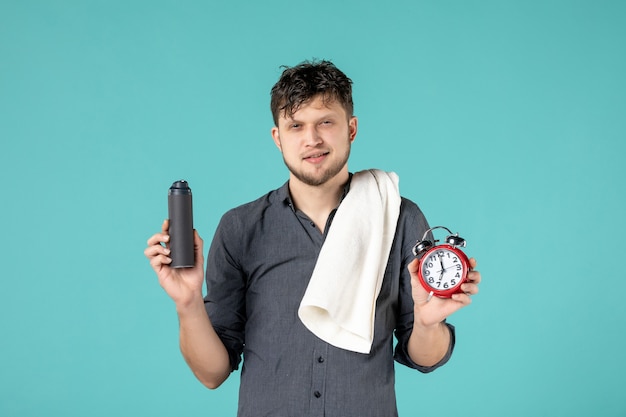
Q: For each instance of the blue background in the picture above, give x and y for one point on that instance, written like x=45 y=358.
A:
x=505 y=121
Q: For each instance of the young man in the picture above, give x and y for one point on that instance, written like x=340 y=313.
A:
x=261 y=262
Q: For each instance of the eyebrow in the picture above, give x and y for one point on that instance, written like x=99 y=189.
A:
x=329 y=115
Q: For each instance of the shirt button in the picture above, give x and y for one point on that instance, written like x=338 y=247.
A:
x=317 y=394
x=320 y=359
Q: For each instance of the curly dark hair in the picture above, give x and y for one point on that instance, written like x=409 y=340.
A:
x=297 y=85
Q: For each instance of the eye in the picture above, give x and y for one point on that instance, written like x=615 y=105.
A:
x=327 y=122
x=294 y=125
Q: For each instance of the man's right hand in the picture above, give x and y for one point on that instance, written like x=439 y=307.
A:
x=183 y=285
x=200 y=345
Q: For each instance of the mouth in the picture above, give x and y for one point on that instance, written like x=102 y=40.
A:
x=316 y=157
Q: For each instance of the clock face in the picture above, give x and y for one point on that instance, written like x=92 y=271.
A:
x=443 y=270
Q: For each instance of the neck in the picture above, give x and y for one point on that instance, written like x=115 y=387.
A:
x=317 y=201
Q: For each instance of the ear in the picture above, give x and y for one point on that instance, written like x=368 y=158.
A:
x=276 y=138
x=353 y=125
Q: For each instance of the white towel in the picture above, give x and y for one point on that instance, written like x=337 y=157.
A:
x=340 y=301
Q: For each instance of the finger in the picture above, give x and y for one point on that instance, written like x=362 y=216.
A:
x=158 y=238
x=165 y=226
x=159 y=261
x=198 y=245
x=462 y=298
x=474 y=277
x=420 y=294
x=413 y=266
x=416 y=285
x=155 y=250
x=470 y=289
x=473 y=263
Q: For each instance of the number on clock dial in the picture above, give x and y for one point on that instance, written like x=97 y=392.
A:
x=442 y=277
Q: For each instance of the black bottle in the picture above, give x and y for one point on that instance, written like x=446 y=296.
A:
x=181 y=225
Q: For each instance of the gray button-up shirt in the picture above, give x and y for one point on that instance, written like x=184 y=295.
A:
x=258 y=268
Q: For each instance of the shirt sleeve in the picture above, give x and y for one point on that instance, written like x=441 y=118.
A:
x=413 y=225
x=402 y=355
x=226 y=287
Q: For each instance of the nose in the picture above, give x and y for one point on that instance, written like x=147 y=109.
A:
x=312 y=136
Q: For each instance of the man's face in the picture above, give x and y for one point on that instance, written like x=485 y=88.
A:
x=315 y=141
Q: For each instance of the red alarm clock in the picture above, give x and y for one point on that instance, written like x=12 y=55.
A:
x=442 y=267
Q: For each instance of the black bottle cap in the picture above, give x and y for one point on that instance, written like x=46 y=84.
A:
x=180 y=188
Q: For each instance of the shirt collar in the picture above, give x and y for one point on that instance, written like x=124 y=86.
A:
x=285 y=197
